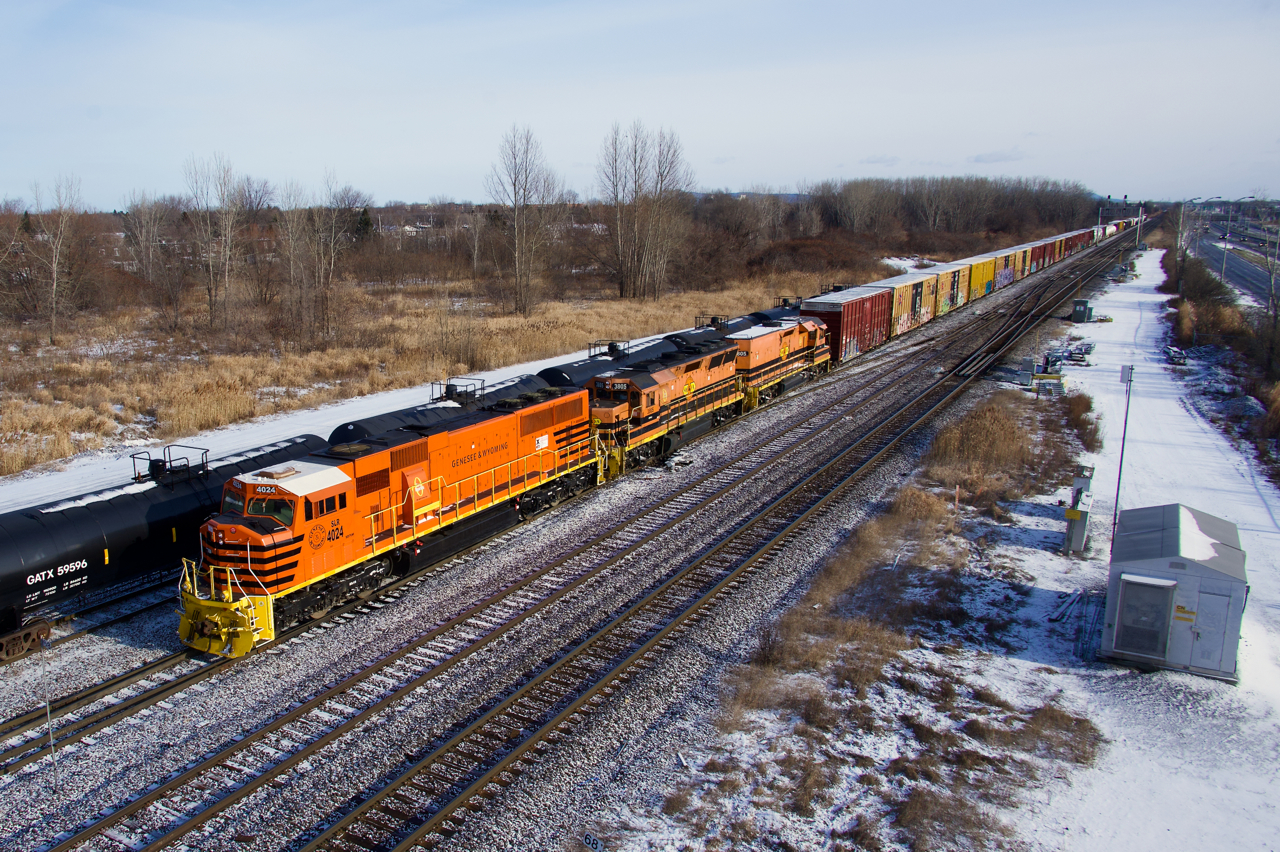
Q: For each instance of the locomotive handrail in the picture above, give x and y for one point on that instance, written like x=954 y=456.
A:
x=576 y=453
x=168 y=465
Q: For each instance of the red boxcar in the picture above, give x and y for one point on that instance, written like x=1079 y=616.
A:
x=857 y=318
x=1041 y=255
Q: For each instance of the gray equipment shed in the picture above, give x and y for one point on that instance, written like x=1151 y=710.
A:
x=1177 y=592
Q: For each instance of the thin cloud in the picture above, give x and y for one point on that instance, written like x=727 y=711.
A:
x=880 y=160
x=998 y=156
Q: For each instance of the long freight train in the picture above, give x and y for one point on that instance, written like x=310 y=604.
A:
x=300 y=526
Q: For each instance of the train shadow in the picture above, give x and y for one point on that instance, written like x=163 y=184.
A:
x=146 y=624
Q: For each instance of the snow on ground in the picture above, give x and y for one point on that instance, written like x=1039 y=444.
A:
x=1187 y=763
x=1191 y=763
x=902 y=264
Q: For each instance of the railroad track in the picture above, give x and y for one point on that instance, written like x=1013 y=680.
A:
x=340 y=708
x=121 y=598
x=434 y=795
x=157 y=685
x=412 y=666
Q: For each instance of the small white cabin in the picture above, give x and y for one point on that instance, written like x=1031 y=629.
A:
x=1177 y=592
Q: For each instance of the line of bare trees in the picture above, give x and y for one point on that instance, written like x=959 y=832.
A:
x=278 y=248
x=246 y=244
x=953 y=204
x=44 y=254
x=283 y=253
x=630 y=234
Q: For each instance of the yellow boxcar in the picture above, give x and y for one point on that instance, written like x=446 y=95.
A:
x=1005 y=272
x=982 y=273
x=914 y=297
x=952 y=286
x=1021 y=261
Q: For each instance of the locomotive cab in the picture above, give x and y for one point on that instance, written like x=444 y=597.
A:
x=254 y=549
x=622 y=402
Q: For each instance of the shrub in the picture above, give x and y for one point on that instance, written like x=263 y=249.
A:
x=1080 y=417
x=933 y=820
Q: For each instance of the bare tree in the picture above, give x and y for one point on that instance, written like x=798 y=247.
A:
x=259 y=258
x=217 y=207
x=475 y=238
x=153 y=232
x=295 y=204
x=642 y=176
x=15 y=267
x=313 y=236
x=55 y=227
x=532 y=201
x=333 y=226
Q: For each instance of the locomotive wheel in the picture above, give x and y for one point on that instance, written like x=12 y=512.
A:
x=318 y=613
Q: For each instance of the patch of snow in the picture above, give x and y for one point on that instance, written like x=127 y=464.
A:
x=1186 y=757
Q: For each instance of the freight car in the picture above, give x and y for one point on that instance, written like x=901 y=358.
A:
x=74 y=553
x=863 y=317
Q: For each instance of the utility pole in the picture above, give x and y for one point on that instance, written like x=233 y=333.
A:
x=1226 y=240
x=1126 y=378
x=1182 y=242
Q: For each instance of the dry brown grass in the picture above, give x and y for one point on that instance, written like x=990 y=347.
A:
x=1048 y=731
x=934 y=820
x=109 y=378
x=986 y=453
x=39 y=429
x=862 y=835
x=1080 y=417
x=677 y=802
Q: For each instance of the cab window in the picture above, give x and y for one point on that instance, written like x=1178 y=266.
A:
x=272 y=507
x=232 y=503
x=317 y=508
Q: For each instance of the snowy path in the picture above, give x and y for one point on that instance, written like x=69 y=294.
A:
x=1192 y=764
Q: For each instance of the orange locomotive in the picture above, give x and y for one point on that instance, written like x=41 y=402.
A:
x=778 y=355
x=646 y=410
x=295 y=539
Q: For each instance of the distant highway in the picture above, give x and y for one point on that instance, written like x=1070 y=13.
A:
x=1246 y=277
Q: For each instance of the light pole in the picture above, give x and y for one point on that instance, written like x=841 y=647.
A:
x=1226 y=239
x=1182 y=243
x=1126 y=377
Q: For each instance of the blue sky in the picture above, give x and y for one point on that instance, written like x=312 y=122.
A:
x=408 y=100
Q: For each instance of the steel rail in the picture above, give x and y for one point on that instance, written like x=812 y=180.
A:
x=491 y=733
x=178 y=780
